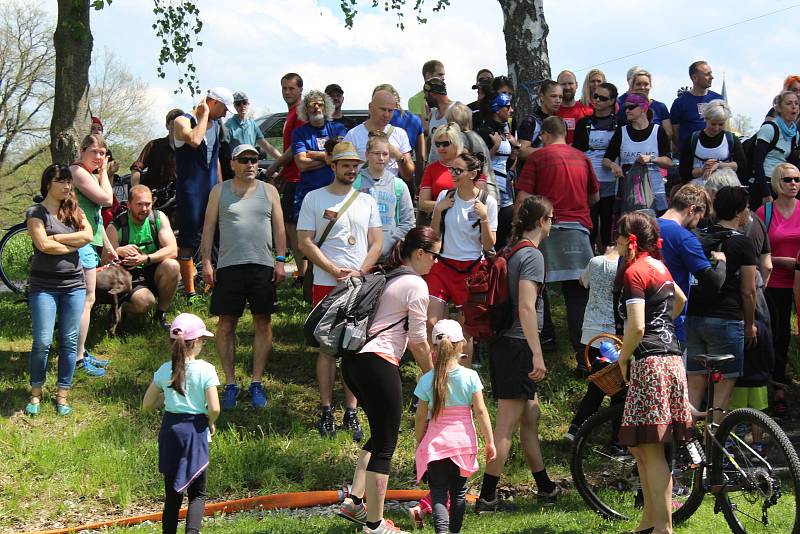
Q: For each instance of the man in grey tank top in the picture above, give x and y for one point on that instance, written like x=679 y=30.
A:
x=250 y=227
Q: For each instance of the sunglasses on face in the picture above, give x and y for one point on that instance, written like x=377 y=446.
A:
x=432 y=253
x=601 y=98
x=551 y=218
x=252 y=160
x=790 y=179
x=442 y=144
x=243 y=103
x=631 y=107
x=457 y=171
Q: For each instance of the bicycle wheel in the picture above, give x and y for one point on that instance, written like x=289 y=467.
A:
x=757 y=476
x=606 y=476
x=16 y=249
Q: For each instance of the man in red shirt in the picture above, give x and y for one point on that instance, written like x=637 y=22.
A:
x=565 y=176
x=571 y=110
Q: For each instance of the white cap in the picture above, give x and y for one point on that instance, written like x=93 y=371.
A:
x=447 y=328
x=221 y=94
x=241 y=149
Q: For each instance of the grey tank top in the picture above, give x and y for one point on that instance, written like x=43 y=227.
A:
x=245 y=227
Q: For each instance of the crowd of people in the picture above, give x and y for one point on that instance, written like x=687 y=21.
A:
x=583 y=194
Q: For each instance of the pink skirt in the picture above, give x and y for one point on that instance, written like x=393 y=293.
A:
x=451 y=435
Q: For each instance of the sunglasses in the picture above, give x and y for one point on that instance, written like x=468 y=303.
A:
x=442 y=144
x=457 y=171
x=601 y=98
x=790 y=179
x=436 y=255
x=247 y=160
x=551 y=218
x=241 y=103
x=630 y=107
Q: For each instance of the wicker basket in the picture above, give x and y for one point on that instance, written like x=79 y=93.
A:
x=609 y=379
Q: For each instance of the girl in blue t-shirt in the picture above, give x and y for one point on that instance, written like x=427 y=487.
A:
x=447 y=449
x=187 y=388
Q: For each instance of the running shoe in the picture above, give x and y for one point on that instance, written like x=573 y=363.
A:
x=497 y=505
x=91 y=358
x=386 y=527
x=550 y=498
x=350 y=422
x=327 y=426
x=357 y=513
x=88 y=369
x=258 y=397
x=160 y=318
x=229 y=394
x=570 y=434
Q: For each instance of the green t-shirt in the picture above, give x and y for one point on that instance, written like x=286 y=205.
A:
x=416 y=104
x=94 y=217
x=140 y=235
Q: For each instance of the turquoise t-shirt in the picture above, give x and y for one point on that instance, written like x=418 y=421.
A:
x=462 y=384
x=200 y=375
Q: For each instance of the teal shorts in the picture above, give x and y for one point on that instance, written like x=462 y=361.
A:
x=89 y=258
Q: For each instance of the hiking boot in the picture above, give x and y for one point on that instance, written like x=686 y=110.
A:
x=327 y=426
x=160 y=318
x=357 y=513
x=229 y=394
x=258 y=397
x=386 y=527
x=350 y=422
x=89 y=369
x=549 y=499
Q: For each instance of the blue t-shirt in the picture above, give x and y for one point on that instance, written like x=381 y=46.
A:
x=683 y=255
x=200 y=375
x=462 y=384
x=243 y=132
x=685 y=112
x=659 y=109
x=308 y=138
x=410 y=123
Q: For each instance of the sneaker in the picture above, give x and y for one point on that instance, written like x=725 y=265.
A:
x=619 y=453
x=229 y=394
x=97 y=362
x=357 y=513
x=549 y=499
x=194 y=300
x=548 y=344
x=415 y=513
x=482 y=505
x=160 y=317
x=327 y=426
x=386 y=527
x=570 y=434
x=88 y=369
x=258 y=397
x=350 y=422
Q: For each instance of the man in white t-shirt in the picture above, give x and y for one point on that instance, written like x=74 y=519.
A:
x=381 y=109
x=351 y=247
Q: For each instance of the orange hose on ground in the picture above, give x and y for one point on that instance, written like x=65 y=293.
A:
x=302 y=499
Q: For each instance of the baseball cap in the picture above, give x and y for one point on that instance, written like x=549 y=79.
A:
x=345 y=150
x=333 y=88
x=223 y=95
x=240 y=96
x=241 y=149
x=189 y=326
x=447 y=328
x=483 y=78
x=435 y=85
x=96 y=120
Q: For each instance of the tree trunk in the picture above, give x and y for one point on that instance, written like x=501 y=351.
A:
x=73 y=45
x=526 y=32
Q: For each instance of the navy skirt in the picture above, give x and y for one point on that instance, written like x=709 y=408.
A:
x=183 y=447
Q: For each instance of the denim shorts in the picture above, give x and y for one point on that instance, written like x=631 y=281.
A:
x=89 y=258
x=711 y=335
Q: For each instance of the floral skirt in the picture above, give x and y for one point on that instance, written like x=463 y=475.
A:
x=657 y=403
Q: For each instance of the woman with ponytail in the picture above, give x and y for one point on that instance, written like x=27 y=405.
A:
x=657 y=402
x=58 y=228
x=187 y=389
x=447 y=450
x=516 y=363
x=373 y=375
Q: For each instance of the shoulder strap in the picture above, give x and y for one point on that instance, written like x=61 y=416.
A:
x=125 y=231
x=768 y=215
x=450 y=193
x=729 y=138
x=390 y=130
x=155 y=225
x=695 y=140
x=343 y=209
x=775 y=137
x=399 y=189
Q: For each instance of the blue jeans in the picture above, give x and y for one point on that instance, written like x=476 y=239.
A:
x=711 y=335
x=44 y=306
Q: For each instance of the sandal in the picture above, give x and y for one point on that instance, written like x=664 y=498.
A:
x=33 y=407
x=62 y=408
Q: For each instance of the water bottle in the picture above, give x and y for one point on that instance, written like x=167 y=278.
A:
x=608 y=352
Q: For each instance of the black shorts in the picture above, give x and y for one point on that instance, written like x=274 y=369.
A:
x=240 y=284
x=287 y=201
x=510 y=361
x=144 y=278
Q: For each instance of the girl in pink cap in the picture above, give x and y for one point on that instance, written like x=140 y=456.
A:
x=447 y=450
x=187 y=389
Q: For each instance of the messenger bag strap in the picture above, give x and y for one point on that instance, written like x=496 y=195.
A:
x=343 y=209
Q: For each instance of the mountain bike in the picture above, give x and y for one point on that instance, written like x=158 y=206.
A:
x=746 y=462
x=16 y=251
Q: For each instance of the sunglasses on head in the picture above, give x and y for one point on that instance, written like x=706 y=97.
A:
x=245 y=160
x=442 y=144
x=790 y=179
x=630 y=107
x=601 y=98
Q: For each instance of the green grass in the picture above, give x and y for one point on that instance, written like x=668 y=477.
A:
x=102 y=461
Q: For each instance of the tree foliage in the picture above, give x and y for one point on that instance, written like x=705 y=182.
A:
x=399 y=7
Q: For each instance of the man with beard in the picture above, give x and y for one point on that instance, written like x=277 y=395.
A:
x=571 y=110
x=308 y=144
x=352 y=246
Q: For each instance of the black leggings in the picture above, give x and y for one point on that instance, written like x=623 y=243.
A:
x=172 y=505
x=376 y=384
x=594 y=395
x=445 y=477
x=779 y=301
x=601 y=221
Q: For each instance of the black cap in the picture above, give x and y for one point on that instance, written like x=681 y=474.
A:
x=333 y=88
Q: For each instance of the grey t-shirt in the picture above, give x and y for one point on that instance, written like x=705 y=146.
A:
x=51 y=272
x=526 y=264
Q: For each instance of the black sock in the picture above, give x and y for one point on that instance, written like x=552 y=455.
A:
x=374 y=524
x=489 y=487
x=543 y=482
x=356 y=500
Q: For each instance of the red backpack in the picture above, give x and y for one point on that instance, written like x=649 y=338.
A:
x=488 y=309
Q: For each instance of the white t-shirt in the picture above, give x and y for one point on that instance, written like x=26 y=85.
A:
x=346 y=244
x=462 y=240
x=398 y=138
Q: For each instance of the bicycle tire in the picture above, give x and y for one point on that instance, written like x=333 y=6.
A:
x=609 y=483
x=742 y=499
x=15 y=253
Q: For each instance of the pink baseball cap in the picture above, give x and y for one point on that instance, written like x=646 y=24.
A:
x=189 y=326
x=447 y=328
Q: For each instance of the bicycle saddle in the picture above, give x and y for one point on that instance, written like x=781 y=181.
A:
x=713 y=360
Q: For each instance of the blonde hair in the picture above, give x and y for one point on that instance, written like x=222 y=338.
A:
x=99 y=140
x=461 y=115
x=446 y=352
x=452 y=132
x=777 y=175
x=586 y=97
x=716 y=110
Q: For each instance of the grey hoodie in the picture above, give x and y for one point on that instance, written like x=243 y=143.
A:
x=385 y=192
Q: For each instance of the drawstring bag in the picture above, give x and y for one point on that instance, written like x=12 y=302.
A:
x=636 y=191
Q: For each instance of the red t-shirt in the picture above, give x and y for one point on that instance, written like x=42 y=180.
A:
x=572 y=115
x=290 y=172
x=565 y=176
x=437 y=178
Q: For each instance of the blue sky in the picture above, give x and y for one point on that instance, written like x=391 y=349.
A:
x=249 y=44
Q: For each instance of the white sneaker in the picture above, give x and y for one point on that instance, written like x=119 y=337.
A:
x=386 y=527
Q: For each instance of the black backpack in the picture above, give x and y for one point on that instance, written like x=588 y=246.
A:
x=710 y=241
x=124 y=231
x=746 y=171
